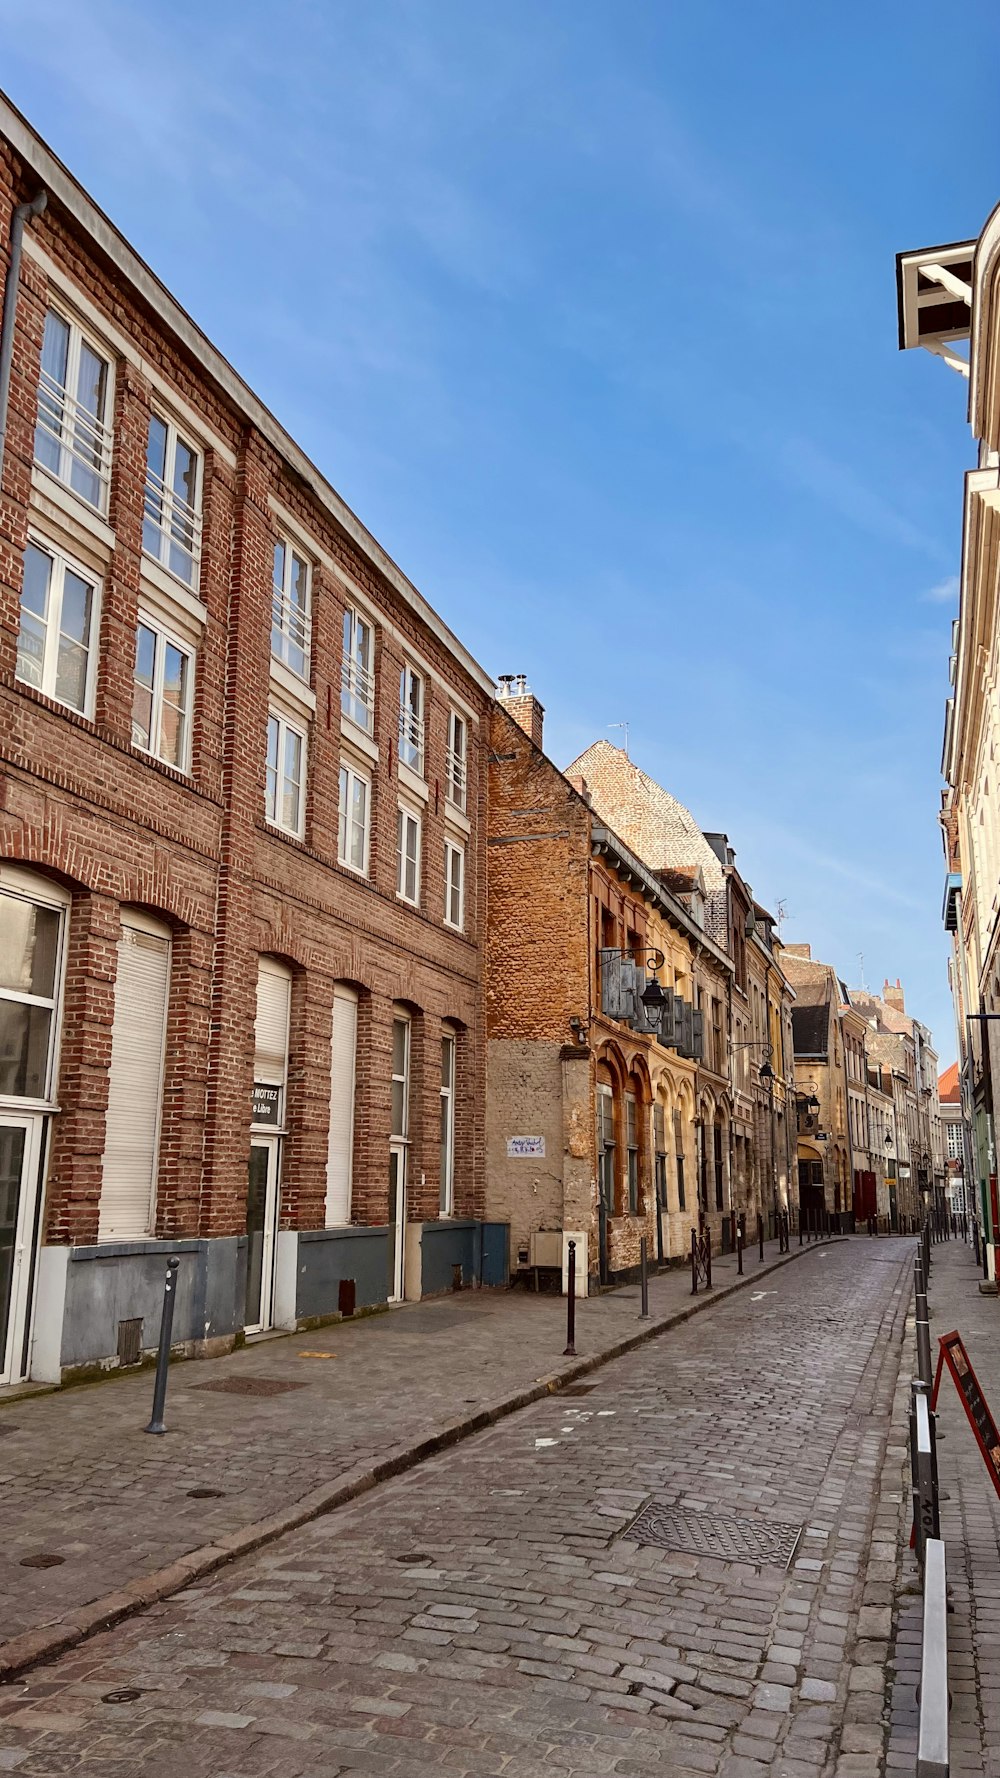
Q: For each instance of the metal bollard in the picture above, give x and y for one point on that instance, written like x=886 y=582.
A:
x=708 y=1259
x=739 y=1248
x=643 y=1280
x=923 y=1326
x=760 y=1234
x=694 y=1263
x=570 y=1351
x=163 y=1355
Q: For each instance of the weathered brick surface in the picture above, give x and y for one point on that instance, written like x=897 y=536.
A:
x=80 y=803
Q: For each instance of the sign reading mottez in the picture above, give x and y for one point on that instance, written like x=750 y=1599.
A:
x=952 y=1353
x=265 y=1104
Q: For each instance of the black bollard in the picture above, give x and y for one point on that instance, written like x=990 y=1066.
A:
x=694 y=1263
x=708 y=1259
x=643 y=1280
x=163 y=1355
x=739 y=1248
x=760 y=1234
x=570 y=1351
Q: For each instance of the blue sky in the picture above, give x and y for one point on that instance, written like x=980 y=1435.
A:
x=587 y=307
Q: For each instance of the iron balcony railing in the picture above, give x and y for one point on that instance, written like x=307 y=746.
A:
x=456 y=778
x=73 y=443
x=411 y=740
x=171 y=528
x=357 y=695
x=290 y=631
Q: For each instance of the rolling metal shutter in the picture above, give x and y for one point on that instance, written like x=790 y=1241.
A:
x=341 y=1146
x=132 y=1128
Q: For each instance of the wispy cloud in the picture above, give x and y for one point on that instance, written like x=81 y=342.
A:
x=943 y=592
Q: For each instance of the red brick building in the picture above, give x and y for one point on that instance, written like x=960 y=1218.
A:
x=242 y=873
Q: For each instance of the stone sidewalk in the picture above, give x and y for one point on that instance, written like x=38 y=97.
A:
x=661 y=1570
x=970 y=1526
x=100 y=1519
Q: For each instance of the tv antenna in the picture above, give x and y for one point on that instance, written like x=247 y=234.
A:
x=781 y=910
x=621 y=725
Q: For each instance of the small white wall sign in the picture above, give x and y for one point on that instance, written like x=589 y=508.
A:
x=526 y=1147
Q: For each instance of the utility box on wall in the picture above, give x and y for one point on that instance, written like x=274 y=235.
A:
x=580 y=1238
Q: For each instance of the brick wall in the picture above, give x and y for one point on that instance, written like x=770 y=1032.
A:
x=78 y=802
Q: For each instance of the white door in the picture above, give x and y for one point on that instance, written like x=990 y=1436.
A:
x=19 y=1151
x=262 y=1228
x=397 y=1221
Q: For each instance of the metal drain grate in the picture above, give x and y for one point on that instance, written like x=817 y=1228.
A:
x=728 y=1540
x=579 y=1389
x=250 y=1386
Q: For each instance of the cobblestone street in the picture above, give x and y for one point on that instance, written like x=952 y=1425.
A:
x=489 y=1612
x=256 y=1433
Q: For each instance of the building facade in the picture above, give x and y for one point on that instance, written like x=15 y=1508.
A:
x=606 y=1122
x=242 y=866
x=949 y=304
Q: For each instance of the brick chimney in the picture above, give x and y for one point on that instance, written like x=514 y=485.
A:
x=515 y=695
x=893 y=996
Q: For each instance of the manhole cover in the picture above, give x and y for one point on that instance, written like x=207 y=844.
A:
x=413 y=1559
x=579 y=1389
x=127 y=1695
x=250 y=1386
x=729 y=1539
x=44 y=1560
x=206 y=1493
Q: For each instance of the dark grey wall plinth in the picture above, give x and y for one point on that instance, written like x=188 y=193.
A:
x=326 y=1256
x=116 y=1282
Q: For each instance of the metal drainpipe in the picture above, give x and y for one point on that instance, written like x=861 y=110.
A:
x=22 y=214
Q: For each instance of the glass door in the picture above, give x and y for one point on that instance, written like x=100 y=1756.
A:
x=18 y=1174
x=262 y=1224
x=397 y=1221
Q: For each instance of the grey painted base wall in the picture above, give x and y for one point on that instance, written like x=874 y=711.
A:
x=120 y=1282
x=106 y=1285
x=327 y=1256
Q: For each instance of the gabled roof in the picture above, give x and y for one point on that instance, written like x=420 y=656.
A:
x=949 y=1091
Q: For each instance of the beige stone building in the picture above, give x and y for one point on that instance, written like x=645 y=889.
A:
x=752 y=1085
x=949 y=303
x=607 y=1120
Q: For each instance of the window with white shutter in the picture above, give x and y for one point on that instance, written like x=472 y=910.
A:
x=340 y=1152
x=270 y=1062
x=132 y=1126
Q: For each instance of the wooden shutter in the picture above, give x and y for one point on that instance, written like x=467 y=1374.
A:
x=341 y=1143
x=611 y=984
x=274 y=986
x=132 y=1127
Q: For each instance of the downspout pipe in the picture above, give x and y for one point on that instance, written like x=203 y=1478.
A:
x=22 y=215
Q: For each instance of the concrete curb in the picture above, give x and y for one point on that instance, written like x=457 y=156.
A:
x=34 y=1646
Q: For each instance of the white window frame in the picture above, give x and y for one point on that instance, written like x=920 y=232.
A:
x=286 y=616
x=452 y=852
x=25 y=886
x=169 y=501
x=50 y=660
x=408 y=817
x=285 y=727
x=457 y=758
x=357 y=683
x=447 y=1183
x=401 y=1017
x=166 y=637
x=349 y=775
x=411 y=719
x=74 y=418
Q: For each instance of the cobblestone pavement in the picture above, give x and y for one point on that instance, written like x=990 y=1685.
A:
x=80 y=1480
x=970 y=1526
x=492 y=1612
